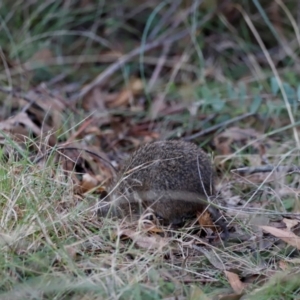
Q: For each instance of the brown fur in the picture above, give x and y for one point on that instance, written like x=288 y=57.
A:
x=173 y=178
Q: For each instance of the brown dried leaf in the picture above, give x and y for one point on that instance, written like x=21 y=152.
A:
x=72 y=250
x=146 y=242
x=6 y=240
x=18 y=133
x=235 y=282
x=20 y=118
x=213 y=258
x=134 y=87
x=205 y=220
x=152 y=228
x=287 y=236
x=81 y=131
x=225 y=191
x=283 y=265
x=138 y=131
x=122 y=99
x=88 y=182
x=47 y=108
x=197 y=293
x=290 y=223
x=240 y=137
x=18 y=128
x=231 y=297
x=92 y=162
x=95 y=100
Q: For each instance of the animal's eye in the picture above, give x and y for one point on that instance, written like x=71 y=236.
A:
x=103 y=194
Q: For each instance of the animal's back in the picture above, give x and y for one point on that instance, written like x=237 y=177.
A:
x=174 y=178
x=171 y=165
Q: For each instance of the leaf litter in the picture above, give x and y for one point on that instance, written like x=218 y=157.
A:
x=91 y=173
x=114 y=123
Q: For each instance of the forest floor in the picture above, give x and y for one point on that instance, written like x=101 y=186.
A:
x=84 y=83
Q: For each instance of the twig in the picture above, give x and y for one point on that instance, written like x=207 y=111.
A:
x=217 y=126
x=19 y=95
x=32 y=102
x=61 y=149
x=159 y=66
x=100 y=79
x=123 y=60
x=265 y=169
x=57 y=79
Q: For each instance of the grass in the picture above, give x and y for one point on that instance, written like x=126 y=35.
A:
x=54 y=248
x=226 y=63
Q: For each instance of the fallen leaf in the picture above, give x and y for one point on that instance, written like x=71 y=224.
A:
x=290 y=223
x=6 y=240
x=80 y=131
x=72 y=250
x=18 y=128
x=20 y=118
x=205 y=220
x=51 y=106
x=231 y=297
x=235 y=137
x=283 y=265
x=287 y=236
x=146 y=242
x=197 y=293
x=235 y=282
x=134 y=87
x=95 y=100
x=213 y=258
x=88 y=182
x=152 y=228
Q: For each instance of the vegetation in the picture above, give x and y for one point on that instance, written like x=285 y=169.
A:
x=84 y=82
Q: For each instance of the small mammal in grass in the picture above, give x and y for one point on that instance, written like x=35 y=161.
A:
x=173 y=178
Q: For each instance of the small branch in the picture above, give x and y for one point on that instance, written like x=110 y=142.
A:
x=18 y=95
x=61 y=149
x=265 y=169
x=217 y=126
x=162 y=41
x=159 y=66
x=100 y=79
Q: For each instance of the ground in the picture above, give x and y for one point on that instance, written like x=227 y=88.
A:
x=84 y=83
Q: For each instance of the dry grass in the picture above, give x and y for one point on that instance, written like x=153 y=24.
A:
x=109 y=76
